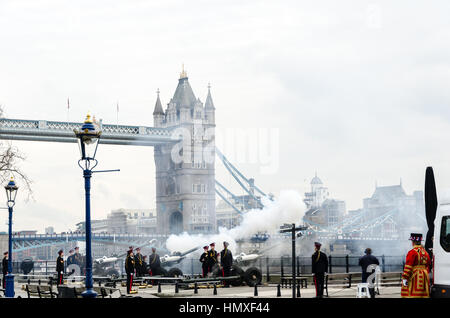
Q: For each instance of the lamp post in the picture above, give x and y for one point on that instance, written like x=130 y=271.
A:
x=293 y=230
x=88 y=138
x=11 y=192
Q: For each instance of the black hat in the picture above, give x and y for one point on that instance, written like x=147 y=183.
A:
x=212 y=244
x=60 y=251
x=71 y=251
x=205 y=247
x=138 y=248
x=416 y=237
x=317 y=244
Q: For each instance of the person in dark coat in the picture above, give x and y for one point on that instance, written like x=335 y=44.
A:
x=364 y=262
x=212 y=257
x=79 y=260
x=226 y=260
x=4 y=268
x=139 y=263
x=154 y=262
x=60 y=267
x=70 y=258
x=319 y=268
x=204 y=261
x=129 y=268
x=144 y=265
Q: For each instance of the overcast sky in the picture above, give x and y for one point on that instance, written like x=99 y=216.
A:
x=358 y=90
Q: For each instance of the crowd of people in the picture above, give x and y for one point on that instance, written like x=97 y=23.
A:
x=415 y=276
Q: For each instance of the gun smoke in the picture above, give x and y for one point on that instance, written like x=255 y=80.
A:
x=287 y=208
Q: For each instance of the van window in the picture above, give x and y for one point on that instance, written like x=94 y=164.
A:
x=445 y=233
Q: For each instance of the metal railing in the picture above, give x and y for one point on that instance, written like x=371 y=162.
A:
x=279 y=266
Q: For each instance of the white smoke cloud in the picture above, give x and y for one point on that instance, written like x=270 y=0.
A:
x=287 y=208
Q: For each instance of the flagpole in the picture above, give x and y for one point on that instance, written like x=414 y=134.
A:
x=68 y=108
x=117 y=114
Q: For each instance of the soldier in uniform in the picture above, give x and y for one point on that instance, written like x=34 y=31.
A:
x=60 y=267
x=129 y=268
x=415 y=279
x=226 y=260
x=212 y=257
x=5 y=268
x=155 y=264
x=138 y=262
x=319 y=268
x=204 y=261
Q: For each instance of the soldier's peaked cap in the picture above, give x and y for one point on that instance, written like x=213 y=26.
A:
x=71 y=251
x=212 y=244
x=317 y=244
x=206 y=246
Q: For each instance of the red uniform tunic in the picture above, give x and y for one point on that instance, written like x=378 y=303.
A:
x=416 y=271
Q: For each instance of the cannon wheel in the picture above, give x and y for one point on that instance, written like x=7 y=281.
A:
x=112 y=272
x=236 y=271
x=175 y=272
x=216 y=271
x=163 y=272
x=252 y=276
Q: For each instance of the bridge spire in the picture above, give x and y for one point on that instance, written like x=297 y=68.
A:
x=183 y=73
x=209 y=104
x=158 y=106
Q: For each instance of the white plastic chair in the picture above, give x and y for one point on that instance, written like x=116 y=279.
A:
x=362 y=290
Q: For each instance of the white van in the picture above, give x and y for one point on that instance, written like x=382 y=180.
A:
x=441 y=251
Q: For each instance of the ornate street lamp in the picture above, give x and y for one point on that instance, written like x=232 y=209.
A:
x=11 y=193
x=88 y=138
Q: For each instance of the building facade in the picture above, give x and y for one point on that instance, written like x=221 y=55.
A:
x=185 y=182
x=323 y=211
x=401 y=213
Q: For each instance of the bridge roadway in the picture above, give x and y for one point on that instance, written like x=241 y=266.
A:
x=57 y=131
x=30 y=241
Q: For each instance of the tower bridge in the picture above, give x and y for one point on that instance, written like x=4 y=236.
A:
x=185 y=187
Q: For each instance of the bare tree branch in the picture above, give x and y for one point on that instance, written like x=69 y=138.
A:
x=10 y=158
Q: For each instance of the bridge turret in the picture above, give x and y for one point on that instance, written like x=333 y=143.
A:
x=158 y=113
x=209 y=108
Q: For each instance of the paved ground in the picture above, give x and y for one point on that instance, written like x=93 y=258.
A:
x=268 y=291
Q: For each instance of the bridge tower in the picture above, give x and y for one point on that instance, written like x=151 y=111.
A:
x=185 y=189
